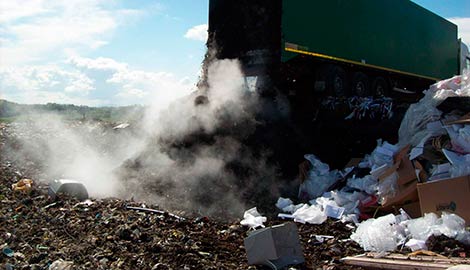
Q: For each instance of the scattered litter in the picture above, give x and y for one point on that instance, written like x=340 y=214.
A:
x=387 y=232
x=253 y=219
x=334 y=211
x=319 y=179
x=122 y=126
x=8 y=252
x=415 y=244
x=24 y=185
x=312 y=214
x=154 y=211
x=322 y=238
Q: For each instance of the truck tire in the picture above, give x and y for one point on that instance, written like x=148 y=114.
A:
x=380 y=87
x=337 y=81
x=360 y=85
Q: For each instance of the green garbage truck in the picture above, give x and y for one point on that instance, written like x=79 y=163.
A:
x=343 y=71
x=338 y=47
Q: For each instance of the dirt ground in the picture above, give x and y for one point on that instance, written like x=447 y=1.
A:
x=104 y=234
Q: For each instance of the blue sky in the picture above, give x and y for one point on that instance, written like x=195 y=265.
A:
x=117 y=52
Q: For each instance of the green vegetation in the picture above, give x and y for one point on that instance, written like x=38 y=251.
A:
x=10 y=111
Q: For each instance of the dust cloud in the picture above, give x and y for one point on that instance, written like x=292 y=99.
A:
x=190 y=154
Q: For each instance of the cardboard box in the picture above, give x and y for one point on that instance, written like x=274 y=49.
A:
x=406 y=194
x=447 y=195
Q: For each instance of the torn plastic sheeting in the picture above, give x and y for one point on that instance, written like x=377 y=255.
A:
x=283 y=203
x=413 y=127
x=319 y=179
x=419 y=149
x=387 y=232
x=422 y=228
x=367 y=184
x=460 y=138
x=344 y=199
x=381 y=234
x=460 y=163
x=344 y=202
x=253 y=219
x=382 y=154
x=387 y=188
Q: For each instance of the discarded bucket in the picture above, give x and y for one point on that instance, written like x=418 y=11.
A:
x=276 y=246
x=70 y=187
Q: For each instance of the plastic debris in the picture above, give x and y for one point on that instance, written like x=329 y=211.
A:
x=253 y=219
x=122 y=126
x=61 y=265
x=415 y=244
x=381 y=234
x=8 y=252
x=283 y=203
x=322 y=238
x=24 y=185
x=367 y=184
x=319 y=179
x=312 y=214
x=387 y=232
x=334 y=211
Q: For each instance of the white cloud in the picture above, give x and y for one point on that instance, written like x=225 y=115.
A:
x=132 y=93
x=464 y=28
x=87 y=81
x=100 y=63
x=45 y=78
x=198 y=32
x=13 y=10
x=41 y=47
x=53 y=26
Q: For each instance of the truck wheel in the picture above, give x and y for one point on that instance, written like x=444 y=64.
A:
x=337 y=82
x=360 y=85
x=380 y=87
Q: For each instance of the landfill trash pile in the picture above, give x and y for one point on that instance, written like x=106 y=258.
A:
x=386 y=193
x=42 y=233
x=39 y=233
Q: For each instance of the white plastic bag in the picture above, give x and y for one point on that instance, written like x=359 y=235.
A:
x=377 y=234
x=310 y=214
x=253 y=219
x=319 y=179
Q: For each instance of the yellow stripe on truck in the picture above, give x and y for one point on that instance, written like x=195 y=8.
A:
x=357 y=63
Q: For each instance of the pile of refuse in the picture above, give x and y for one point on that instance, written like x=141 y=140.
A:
x=38 y=232
x=400 y=195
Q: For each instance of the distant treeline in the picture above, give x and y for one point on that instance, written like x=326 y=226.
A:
x=12 y=110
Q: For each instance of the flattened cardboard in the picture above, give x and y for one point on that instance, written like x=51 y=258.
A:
x=448 y=195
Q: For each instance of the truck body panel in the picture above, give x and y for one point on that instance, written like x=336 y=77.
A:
x=393 y=35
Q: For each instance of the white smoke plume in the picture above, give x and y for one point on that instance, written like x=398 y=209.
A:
x=186 y=155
